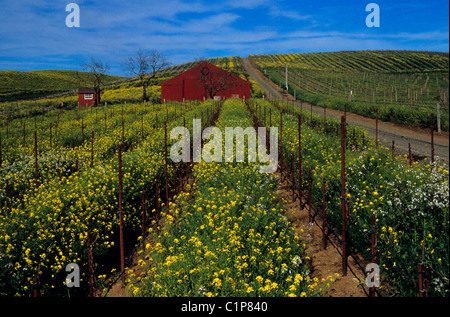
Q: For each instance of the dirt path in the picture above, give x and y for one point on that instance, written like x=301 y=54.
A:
x=419 y=138
x=324 y=262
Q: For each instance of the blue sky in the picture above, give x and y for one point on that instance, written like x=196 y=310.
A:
x=33 y=33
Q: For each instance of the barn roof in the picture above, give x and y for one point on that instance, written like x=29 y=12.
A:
x=192 y=73
x=86 y=90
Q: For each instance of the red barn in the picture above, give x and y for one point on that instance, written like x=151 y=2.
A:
x=205 y=81
x=87 y=97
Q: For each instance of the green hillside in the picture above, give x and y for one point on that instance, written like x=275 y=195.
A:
x=402 y=86
x=361 y=61
x=31 y=84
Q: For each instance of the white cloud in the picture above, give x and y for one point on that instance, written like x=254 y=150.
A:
x=119 y=13
x=430 y=36
x=247 y=4
x=209 y=24
x=277 y=11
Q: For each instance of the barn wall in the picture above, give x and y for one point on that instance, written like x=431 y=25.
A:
x=89 y=102
x=193 y=90
x=187 y=85
x=172 y=92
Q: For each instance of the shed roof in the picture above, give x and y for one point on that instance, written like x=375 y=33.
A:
x=86 y=90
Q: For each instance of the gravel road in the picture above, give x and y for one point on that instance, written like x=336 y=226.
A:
x=419 y=138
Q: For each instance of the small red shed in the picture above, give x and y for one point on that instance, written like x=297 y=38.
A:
x=205 y=81
x=88 y=97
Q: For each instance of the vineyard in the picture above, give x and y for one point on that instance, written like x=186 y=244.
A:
x=97 y=187
x=403 y=86
x=58 y=184
x=231 y=63
x=33 y=84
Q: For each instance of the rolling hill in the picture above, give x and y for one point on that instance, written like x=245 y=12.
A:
x=402 y=86
x=390 y=62
x=16 y=85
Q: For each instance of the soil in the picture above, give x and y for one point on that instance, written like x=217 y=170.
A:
x=324 y=262
x=402 y=135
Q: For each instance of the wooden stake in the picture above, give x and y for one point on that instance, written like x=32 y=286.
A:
x=123 y=132
x=1 y=159
x=420 y=269
x=281 y=140
x=36 y=291
x=300 y=171
x=165 y=162
x=144 y=210
x=373 y=242
x=36 y=172
x=90 y=265
x=343 y=198
x=270 y=117
x=376 y=129
x=158 y=208
x=324 y=213
x=432 y=138
x=409 y=154
x=122 y=254
x=438 y=110
x=309 y=196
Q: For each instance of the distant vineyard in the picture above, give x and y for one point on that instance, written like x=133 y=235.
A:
x=361 y=61
x=403 y=86
x=231 y=63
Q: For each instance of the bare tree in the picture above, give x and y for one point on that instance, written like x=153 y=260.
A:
x=199 y=59
x=98 y=71
x=145 y=65
x=215 y=81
